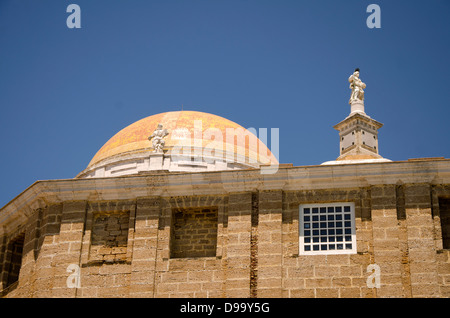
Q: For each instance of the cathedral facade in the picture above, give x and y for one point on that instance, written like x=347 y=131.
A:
x=166 y=210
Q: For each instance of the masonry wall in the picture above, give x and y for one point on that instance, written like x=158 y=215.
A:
x=193 y=232
x=247 y=245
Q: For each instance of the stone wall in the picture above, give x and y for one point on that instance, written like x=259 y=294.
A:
x=243 y=244
x=12 y=261
x=109 y=237
x=444 y=211
x=194 y=232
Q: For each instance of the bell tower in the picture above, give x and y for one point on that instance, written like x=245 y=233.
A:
x=358 y=133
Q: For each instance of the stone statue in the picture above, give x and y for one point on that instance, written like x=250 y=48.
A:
x=158 y=139
x=357 y=87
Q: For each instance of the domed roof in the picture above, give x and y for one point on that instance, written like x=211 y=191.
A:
x=198 y=129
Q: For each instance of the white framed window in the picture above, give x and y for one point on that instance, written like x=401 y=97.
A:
x=327 y=228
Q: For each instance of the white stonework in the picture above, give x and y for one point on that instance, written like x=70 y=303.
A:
x=156 y=161
x=346 y=162
x=357 y=106
x=147 y=161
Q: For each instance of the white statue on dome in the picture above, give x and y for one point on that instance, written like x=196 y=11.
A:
x=158 y=138
x=357 y=87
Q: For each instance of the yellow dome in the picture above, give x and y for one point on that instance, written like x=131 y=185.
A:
x=184 y=125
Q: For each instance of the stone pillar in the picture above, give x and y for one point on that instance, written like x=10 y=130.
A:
x=238 y=247
x=69 y=248
x=145 y=244
x=30 y=233
x=45 y=250
x=357 y=107
x=386 y=249
x=2 y=259
x=269 y=270
x=421 y=244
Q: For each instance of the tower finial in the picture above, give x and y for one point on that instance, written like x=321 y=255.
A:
x=357 y=96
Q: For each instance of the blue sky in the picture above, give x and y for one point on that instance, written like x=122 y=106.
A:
x=261 y=63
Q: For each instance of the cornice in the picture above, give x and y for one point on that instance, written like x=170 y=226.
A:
x=43 y=193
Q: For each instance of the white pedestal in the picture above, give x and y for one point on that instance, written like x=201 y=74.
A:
x=357 y=107
x=156 y=161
